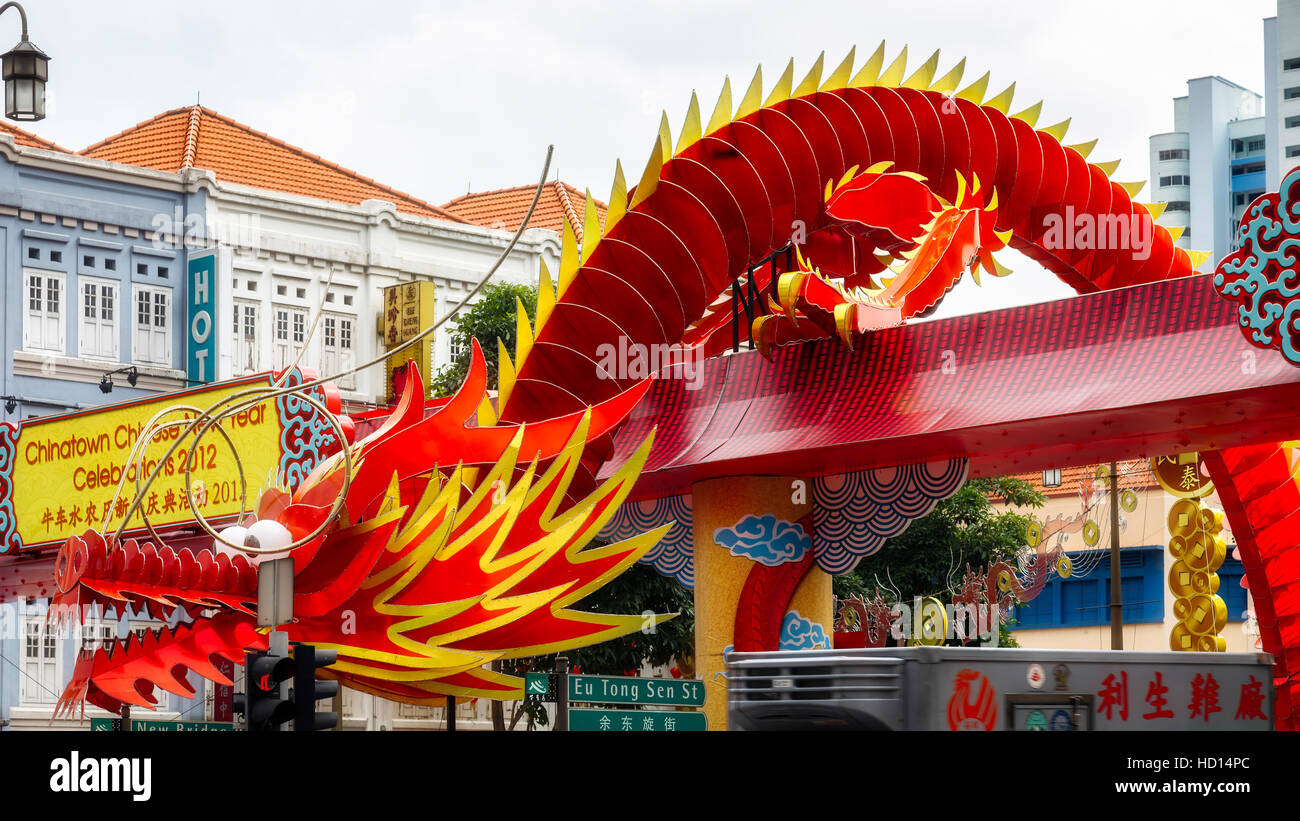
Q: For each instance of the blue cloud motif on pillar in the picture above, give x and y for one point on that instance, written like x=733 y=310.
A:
x=765 y=539
x=798 y=633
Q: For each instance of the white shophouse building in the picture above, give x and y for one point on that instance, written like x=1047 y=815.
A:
x=287 y=223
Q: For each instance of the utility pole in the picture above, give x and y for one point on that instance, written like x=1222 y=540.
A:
x=1116 y=598
x=562 y=694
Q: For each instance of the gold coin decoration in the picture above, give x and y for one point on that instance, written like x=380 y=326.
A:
x=1091 y=534
x=1064 y=567
x=1184 y=517
x=1198 y=547
x=1128 y=500
x=1033 y=534
x=930 y=625
x=1004 y=581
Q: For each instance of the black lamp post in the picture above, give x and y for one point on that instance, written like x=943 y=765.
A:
x=25 y=71
x=106 y=381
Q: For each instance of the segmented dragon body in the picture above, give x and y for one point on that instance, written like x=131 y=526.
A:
x=751 y=183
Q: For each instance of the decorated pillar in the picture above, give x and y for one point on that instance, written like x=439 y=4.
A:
x=755 y=580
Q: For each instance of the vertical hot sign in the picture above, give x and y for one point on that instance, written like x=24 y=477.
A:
x=201 y=345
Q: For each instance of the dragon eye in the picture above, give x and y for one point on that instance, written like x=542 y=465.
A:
x=268 y=534
x=231 y=537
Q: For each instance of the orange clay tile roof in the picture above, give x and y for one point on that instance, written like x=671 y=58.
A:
x=28 y=139
x=505 y=209
x=197 y=137
x=1133 y=474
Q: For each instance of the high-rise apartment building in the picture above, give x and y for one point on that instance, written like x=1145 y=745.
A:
x=1229 y=144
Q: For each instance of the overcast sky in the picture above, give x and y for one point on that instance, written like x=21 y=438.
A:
x=439 y=98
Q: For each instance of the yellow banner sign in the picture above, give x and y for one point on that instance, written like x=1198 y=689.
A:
x=59 y=475
x=408 y=310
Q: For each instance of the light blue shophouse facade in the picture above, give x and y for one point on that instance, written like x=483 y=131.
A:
x=93 y=282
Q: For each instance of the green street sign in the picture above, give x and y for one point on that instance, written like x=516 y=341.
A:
x=150 y=726
x=540 y=687
x=631 y=690
x=637 y=721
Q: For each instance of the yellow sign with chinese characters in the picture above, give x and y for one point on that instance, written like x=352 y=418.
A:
x=1183 y=475
x=64 y=470
x=408 y=309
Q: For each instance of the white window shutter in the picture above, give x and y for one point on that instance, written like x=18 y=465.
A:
x=336 y=351
x=160 y=346
x=246 y=338
x=35 y=298
x=97 y=314
x=346 y=362
x=108 y=312
x=53 y=311
x=143 y=321
x=86 y=326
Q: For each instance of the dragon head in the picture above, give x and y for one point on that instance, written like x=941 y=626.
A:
x=897 y=214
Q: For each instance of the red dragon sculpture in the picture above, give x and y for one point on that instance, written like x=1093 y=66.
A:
x=442 y=575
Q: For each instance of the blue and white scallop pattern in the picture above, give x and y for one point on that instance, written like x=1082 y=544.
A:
x=674 y=555
x=853 y=515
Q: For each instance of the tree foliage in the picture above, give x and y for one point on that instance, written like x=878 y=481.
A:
x=931 y=556
x=491 y=318
x=639 y=589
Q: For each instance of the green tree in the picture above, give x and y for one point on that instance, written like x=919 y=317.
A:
x=931 y=556
x=639 y=589
x=491 y=318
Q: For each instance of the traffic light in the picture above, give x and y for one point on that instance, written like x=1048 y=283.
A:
x=266 y=703
x=307 y=690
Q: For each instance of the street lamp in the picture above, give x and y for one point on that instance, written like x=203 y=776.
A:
x=25 y=70
x=106 y=381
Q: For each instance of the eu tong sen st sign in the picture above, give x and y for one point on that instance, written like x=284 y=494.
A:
x=631 y=690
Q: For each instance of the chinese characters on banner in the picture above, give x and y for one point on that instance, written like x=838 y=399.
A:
x=1204 y=698
x=408 y=310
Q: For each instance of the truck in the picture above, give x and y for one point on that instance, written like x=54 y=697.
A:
x=979 y=688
